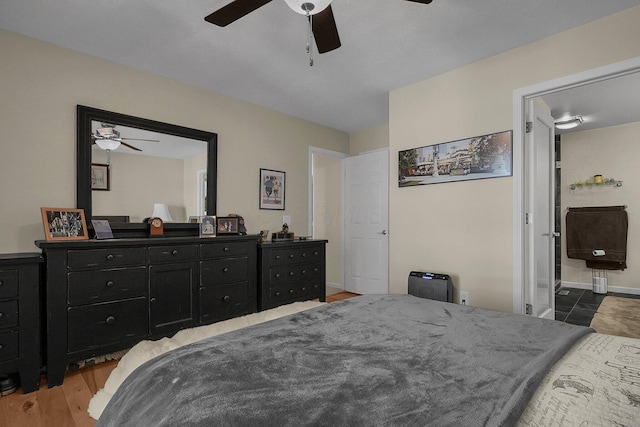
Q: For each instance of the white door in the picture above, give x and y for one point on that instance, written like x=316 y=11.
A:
x=366 y=219
x=540 y=212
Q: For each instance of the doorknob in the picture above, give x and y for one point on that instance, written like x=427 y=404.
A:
x=555 y=234
x=384 y=232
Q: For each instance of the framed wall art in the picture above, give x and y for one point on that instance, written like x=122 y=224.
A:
x=272 y=189
x=64 y=224
x=480 y=157
x=100 y=179
x=227 y=225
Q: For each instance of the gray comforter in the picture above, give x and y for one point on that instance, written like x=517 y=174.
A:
x=370 y=361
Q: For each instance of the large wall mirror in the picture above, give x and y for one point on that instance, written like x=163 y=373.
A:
x=127 y=164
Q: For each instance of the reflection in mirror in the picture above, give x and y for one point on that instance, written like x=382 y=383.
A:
x=148 y=162
x=171 y=166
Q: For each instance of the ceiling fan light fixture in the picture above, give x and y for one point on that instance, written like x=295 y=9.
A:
x=308 y=6
x=107 y=144
x=568 y=122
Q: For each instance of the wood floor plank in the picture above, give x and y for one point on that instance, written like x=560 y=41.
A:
x=54 y=409
x=77 y=394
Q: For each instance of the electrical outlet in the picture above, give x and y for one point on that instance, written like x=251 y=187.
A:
x=286 y=219
x=464 y=297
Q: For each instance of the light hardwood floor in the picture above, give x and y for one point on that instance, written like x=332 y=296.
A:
x=66 y=406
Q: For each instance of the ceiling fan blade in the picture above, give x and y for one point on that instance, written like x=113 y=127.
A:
x=234 y=11
x=325 y=31
x=422 y=1
x=130 y=146
x=138 y=139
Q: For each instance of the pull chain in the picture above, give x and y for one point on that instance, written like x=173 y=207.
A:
x=310 y=39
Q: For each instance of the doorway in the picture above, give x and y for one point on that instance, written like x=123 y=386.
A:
x=521 y=262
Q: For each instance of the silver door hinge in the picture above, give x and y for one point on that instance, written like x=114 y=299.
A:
x=528 y=127
x=528 y=218
x=558 y=164
x=528 y=309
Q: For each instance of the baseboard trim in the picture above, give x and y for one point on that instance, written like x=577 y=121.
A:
x=335 y=285
x=589 y=286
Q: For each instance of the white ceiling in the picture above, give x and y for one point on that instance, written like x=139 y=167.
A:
x=386 y=44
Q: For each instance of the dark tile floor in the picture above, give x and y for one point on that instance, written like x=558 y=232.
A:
x=579 y=305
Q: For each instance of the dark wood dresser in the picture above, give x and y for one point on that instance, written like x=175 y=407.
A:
x=104 y=296
x=20 y=317
x=291 y=271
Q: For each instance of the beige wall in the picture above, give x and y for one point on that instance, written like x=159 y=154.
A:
x=611 y=152
x=466 y=228
x=41 y=85
x=327 y=212
x=370 y=139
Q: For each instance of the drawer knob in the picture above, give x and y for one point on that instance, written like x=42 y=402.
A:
x=111 y=320
x=225 y=249
x=225 y=298
x=174 y=252
x=316 y=253
x=277 y=256
x=153 y=300
x=278 y=294
x=224 y=270
x=290 y=255
x=1 y=315
x=291 y=273
x=303 y=272
x=291 y=291
x=277 y=275
x=315 y=270
x=0 y=347
x=304 y=254
x=304 y=288
x=110 y=257
x=1 y=283
x=109 y=283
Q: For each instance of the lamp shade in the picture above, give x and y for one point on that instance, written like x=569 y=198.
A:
x=317 y=6
x=161 y=210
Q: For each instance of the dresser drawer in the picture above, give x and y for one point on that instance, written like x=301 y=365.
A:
x=223 y=302
x=294 y=273
x=105 y=258
x=9 y=346
x=8 y=314
x=295 y=255
x=165 y=254
x=87 y=287
x=8 y=283
x=97 y=325
x=221 y=271
x=225 y=249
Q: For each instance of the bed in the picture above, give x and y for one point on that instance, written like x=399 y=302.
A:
x=388 y=360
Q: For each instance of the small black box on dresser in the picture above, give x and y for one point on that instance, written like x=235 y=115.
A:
x=20 y=317
x=291 y=271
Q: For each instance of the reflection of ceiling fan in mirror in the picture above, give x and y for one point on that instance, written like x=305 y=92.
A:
x=108 y=138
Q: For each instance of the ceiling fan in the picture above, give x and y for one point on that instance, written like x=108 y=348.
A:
x=108 y=138
x=321 y=22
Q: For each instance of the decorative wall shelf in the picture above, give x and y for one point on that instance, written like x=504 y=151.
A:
x=603 y=182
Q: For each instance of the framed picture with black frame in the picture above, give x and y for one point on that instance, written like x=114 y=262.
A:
x=100 y=177
x=227 y=225
x=272 y=189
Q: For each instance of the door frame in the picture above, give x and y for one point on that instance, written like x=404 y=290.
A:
x=520 y=97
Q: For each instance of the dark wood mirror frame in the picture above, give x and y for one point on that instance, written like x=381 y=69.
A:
x=85 y=115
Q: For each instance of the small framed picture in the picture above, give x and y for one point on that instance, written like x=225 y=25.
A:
x=272 y=189
x=102 y=229
x=64 y=224
x=227 y=225
x=194 y=219
x=207 y=226
x=100 y=179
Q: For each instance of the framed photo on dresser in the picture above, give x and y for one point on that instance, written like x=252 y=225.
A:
x=64 y=224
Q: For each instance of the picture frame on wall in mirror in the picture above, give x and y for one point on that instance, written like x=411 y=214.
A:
x=100 y=177
x=64 y=224
x=272 y=189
